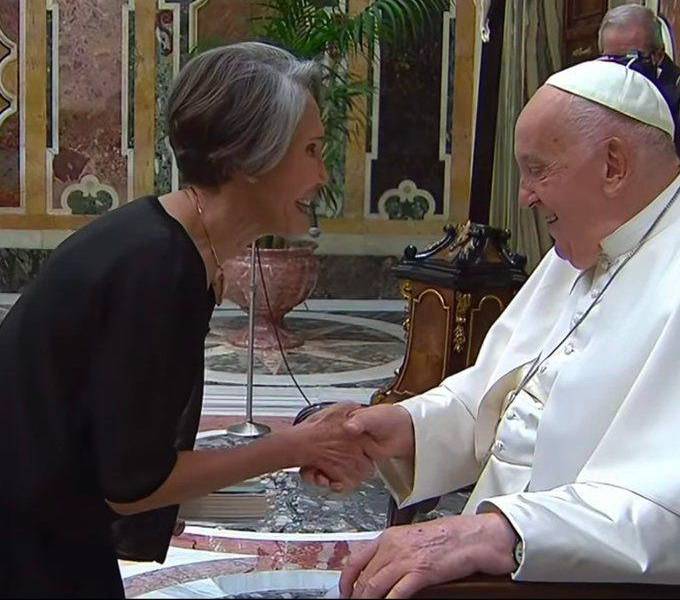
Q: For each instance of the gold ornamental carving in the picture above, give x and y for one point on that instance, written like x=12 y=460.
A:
x=407 y=294
x=463 y=302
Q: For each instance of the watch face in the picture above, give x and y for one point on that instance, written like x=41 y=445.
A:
x=519 y=552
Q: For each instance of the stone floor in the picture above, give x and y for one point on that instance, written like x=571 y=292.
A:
x=297 y=507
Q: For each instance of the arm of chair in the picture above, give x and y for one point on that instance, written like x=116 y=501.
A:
x=486 y=586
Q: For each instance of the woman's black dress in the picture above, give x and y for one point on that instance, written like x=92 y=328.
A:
x=101 y=382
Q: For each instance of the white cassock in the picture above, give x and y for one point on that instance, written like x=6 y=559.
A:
x=585 y=462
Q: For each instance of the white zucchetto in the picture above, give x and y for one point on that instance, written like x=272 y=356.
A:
x=617 y=87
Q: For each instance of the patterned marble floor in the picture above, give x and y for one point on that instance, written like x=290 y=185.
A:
x=351 y=349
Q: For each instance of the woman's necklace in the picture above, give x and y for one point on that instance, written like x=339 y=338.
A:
x=218 y=279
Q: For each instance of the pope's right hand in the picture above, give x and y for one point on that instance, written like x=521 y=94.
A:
x=384 y=431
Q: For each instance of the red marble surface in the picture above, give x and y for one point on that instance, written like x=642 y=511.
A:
x=90 y=84
x=269 y=556
x=9 y=130
x=155 y=580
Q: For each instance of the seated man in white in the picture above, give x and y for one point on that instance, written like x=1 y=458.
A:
x=569 y=422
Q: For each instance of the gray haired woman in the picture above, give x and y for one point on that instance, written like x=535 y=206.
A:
x=101 y=359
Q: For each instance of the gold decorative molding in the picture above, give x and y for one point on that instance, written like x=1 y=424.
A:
x=463 y=109
x=145 y=97
x=35 y=82
x=406 y=289
x=355 y=156
x=463 y=302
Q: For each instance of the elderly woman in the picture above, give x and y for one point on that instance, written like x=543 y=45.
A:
x=101 y=359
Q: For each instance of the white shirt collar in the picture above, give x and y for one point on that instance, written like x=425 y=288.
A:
x=627 y=235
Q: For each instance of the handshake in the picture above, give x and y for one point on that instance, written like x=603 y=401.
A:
x=339 y=446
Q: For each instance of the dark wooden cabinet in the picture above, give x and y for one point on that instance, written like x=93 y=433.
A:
x=455 y=290
x=582 y=20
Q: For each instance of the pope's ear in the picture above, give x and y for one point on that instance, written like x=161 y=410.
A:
x=617 y=165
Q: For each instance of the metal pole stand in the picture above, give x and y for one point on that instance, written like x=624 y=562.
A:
x=250 y=428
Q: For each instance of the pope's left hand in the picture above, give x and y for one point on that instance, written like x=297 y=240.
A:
x=404 y=560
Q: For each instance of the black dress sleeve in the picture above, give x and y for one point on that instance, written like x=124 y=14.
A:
x=143 y=369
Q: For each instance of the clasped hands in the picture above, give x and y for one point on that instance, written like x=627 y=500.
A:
x=348 y=440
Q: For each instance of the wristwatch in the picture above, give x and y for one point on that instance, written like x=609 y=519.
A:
x=518 y=553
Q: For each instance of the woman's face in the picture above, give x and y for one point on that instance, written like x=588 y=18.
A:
x=298 y=177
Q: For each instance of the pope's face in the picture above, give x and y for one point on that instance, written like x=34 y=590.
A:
x=561 y=178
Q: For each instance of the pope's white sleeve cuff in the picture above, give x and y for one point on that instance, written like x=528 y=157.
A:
x=590 y=532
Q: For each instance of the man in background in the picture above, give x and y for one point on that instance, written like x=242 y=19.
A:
x=634 y=28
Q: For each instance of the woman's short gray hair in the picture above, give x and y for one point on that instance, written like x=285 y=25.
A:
x=235 y=109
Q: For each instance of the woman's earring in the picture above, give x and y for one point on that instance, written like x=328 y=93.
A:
x=250 y=179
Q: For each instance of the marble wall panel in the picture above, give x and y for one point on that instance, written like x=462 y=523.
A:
x=18 y=267
x=10 y=196
x=89 y=173
x=411 y=170
x=167 y=66
x=357 y=277
x=184 y=27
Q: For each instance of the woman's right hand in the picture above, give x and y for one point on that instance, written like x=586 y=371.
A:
x=325 y=445
x=375 y=434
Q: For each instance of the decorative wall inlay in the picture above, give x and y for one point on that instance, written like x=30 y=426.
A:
x=406 y=290
x=8 y=56
x=89 y=197
x=408 y=143
x=10 y=170
x=89 y=98
x=167 y=67
x=407 y=201
x=177 y=35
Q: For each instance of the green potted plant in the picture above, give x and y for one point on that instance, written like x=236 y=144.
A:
x=322 y=30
